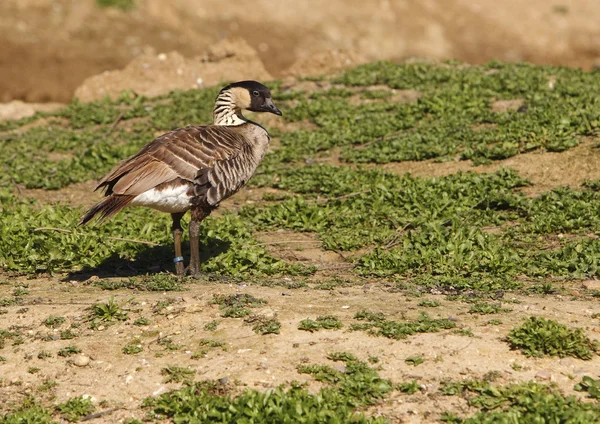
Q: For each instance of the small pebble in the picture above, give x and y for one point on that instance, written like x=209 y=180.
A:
x=544 y=375
x=81 y=360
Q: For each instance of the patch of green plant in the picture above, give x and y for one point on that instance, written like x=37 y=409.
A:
x=68 y=351
x=212 y=343
x=6 y=301
x=409 y=388
x=326 y=322
x=528 y=403
x=176 y=374
x=401 y=330
x=262 y=325
x=29 y=412
x=592 y=184
x=141 y=321
x=67 y=334
x=75 y=408
x=8 y=335
x=210 y=402
x=117 y=4
x=226 y=241
x=132 y=348
x=168 y=343
x=429 y=303
x=33 y=370
x=54 y=321
x=47 y=385
x=359 y=384
x=212 y=325
x=106 y=313
x=154 y=282
x=539 y=337
x=414 y=360
x=589 y=385
x=237 y=305
x=454 y=115
x=464 y=332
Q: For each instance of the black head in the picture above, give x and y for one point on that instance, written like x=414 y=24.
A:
x=258 y=99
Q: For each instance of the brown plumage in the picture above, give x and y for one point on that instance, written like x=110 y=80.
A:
x=192 y=168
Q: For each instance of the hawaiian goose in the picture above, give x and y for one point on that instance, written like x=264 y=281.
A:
x=193 y=168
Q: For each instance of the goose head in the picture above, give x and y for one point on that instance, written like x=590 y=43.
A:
x=251 y=95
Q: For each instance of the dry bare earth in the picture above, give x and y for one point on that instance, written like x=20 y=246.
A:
x=50 y=46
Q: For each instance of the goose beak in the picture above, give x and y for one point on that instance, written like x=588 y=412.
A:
x=269 y=106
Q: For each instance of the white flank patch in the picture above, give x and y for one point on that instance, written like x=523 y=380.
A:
x=169 y=200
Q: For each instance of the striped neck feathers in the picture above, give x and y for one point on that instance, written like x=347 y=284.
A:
x=228 y=107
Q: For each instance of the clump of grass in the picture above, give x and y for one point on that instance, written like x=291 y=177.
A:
x=117 y=4
x=132 y=348
x=359 y=385
x=378 y=326
x=524 y=403
x=68 y=351
x=141 y=321
x=107 y=312
x=409 y=388
x=54 y=321
x=414 y=360
x=211 y=325
x=237 y=305
x=29 y=412
x=538 y=337
x=176 y=374
x=589 y=385
x=325 y=322
x=263 y=325
x=75 y=408
x=154 y=282
x=67 y=334
x=429 y=303
x=168 y=343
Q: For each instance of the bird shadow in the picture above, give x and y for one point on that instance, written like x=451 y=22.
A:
x=151 y=260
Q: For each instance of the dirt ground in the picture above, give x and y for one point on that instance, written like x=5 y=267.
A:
x=50 y=46
x=261 y=362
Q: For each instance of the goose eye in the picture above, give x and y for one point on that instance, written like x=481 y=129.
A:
x=255 y=93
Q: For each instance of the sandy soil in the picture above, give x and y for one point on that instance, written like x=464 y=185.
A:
x=50 y=46
x=267 y=361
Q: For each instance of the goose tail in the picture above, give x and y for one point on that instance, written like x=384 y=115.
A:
x=107 y=208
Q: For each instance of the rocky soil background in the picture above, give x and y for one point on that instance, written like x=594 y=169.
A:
x=49 y=47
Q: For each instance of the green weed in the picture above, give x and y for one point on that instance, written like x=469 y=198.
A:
x=75 y=408
x=176 y=374
x=29 y=412
x=236 y=305
x=326 y=322
x=378 y=326
x=68 y=351
x=54 y=321
x=538 y=337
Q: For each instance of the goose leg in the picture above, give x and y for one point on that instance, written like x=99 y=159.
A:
x=198 y=214
x=177 y=233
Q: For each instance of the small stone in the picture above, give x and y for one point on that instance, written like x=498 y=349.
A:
x=544 y=375
x=101 y=328
x=81 y=360
x=267 y=313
